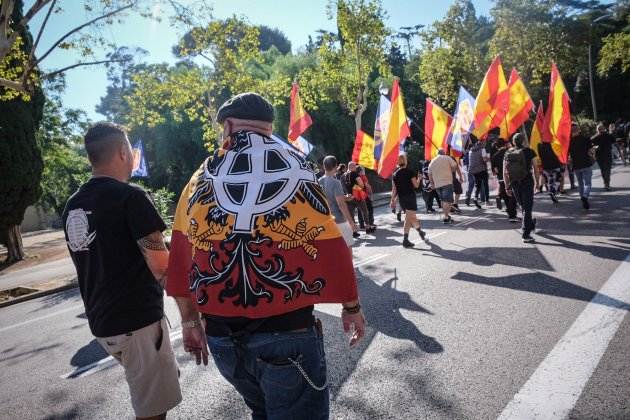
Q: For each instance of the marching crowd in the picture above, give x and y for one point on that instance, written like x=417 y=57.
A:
x=255 y=246
x=520 y=171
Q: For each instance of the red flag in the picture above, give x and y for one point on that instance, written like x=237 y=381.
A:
x=436 y=126
x=558 y=117
x=299 y=119
x=492 y=100
x=398 y=130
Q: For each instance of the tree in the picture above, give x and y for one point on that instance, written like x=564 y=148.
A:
x=23 y=79
x=615 y=52
x=273 y=37
x=349 y=58
x=453 y=53
x=21 y=165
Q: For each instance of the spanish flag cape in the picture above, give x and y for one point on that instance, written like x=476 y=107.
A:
x=253 y=235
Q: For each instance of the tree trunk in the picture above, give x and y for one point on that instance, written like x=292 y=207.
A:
x=361 y=107
x=14 y=244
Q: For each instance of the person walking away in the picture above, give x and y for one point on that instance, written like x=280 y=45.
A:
x=457 y=183
x=404 y=184
x=253 y=262
x=441 y=171
x=582 y=158
x=369 y=223
x=616 y=130
x=337 y=200
x=496 y=162
x=552 y=169
x=429 y=195
x=517 y=174
x=355 y=187
x=604 y=143
x=478 y=156
x=470 y=179
x=114 y=235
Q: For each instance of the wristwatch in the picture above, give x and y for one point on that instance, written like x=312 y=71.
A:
x=353 y=309
x=191 y=324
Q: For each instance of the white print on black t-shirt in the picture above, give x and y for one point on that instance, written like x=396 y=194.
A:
x=78 y=230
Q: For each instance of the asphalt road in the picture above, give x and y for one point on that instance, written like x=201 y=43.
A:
x=473 y=325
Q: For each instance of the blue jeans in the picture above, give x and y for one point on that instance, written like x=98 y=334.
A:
x=584 y=176
x=271 y=384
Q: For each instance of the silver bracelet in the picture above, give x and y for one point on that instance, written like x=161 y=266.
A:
x=191 y=324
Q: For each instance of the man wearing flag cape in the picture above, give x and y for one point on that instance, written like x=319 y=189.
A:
x=254 y=248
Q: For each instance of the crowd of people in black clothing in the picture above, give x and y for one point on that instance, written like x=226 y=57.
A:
x=441 y=183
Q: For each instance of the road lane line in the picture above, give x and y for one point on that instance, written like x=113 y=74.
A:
x=104 y=363
x=371 y=259
x=556 y=385
x=20 y=324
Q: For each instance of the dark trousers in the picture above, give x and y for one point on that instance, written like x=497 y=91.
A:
x=370 y=213
x=470 y=185
x=510 y=201
x=605 y=166
x=361 y=205
x=429 y=196
x=481 y=186
x=272 y=385
x=524 y=194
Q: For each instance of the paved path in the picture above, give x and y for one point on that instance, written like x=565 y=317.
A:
x=472 y=325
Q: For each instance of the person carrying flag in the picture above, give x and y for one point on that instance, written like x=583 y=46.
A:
x=254 y=248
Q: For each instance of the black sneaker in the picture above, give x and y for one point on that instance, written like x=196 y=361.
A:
x=513 y=219
x=456 y=210
x=407 y=244
x=448 y=221
x=467 y=201
x=528 y=239
x=356 y=234
x=585 y=203
x=399 y=216
x=477 y=204
x=499 y=204
x=422 y=234
x=430 y=211
x=553 y=198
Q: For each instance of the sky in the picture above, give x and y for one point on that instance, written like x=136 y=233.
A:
x=297 y=19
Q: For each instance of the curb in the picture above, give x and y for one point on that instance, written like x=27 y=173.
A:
x=71 y=284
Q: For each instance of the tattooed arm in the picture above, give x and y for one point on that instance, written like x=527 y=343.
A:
x=156 y=255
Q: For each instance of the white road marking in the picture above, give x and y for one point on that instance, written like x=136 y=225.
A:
x=556 y=385
x=470 y=221
x=50 y=315
x=371 y=259
x=435 y=235
x=105 y=363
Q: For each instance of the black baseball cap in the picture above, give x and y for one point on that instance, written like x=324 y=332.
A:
x=246 y=106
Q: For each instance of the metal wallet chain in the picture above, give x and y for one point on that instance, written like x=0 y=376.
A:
x=306 y=377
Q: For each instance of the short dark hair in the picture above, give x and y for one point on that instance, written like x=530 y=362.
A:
x=102 y=141
x=330 y=163
x=518 y=139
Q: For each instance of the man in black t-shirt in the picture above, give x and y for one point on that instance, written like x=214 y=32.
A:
x=581 y=153
x=523 y=188
x=114 y=234
x=604 y=142
x=404 y=183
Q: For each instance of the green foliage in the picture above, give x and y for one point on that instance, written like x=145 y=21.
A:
x=65 y=167
x=164 y=203
x=415 y=154
x=615 y=52
x=21 y=162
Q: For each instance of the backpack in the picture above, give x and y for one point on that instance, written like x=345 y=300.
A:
x=476 y=164
x=515 y=164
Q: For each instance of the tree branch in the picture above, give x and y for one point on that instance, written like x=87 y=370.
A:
x=28 y=66
x=36 y=7
x=12 y=85
x=87 y=63
x=78 y=28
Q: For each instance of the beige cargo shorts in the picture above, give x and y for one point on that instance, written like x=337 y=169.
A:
x=150 y=367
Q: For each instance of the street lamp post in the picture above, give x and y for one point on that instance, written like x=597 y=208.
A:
x=590 y=66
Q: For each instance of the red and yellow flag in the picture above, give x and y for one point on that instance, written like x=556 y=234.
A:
x=398 y=130
x=520 y=106
x=299 y=120
x=537 y=129
x=557 y=126
x=254 y=237
x=363 y=152
x=492 y=100
x=436 y=125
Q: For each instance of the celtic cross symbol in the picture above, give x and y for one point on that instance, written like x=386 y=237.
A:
x=257 y=179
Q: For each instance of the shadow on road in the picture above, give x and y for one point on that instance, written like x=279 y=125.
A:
x=543 y=284
x=617 y=253
x=90 y=353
